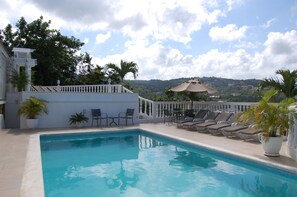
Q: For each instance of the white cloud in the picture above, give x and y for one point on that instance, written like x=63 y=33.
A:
x=228 y=33
x=101 y=38
x=281 y=49
x=232 y=3
x=163 y=20
x=248 y=45
x=159 y=62
x=269 y=23
x=149 y=28
x=86 y=40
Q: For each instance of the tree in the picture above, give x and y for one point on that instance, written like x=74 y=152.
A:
x=88 y=73
x=19 y=80
x=56 y=54
x=118 y=73
x=287 y=85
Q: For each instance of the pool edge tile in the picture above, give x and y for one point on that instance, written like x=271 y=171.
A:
x=32 y=183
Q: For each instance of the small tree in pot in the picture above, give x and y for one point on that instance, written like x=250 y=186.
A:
x=31 y=108
x=77 y=119
x=272 y=119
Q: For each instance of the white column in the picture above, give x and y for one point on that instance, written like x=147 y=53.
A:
x=28 y=73
x=109 y=87
x=292 y=136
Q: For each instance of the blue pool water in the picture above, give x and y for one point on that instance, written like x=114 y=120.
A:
x=137 y=163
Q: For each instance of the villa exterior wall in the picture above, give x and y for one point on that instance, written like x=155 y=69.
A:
x=62 y=105
x=5 y=61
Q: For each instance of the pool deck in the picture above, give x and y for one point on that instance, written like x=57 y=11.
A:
x=14 y=146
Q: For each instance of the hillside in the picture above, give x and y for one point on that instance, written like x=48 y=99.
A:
x=227 y=89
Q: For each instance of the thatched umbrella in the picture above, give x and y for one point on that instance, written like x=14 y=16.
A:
x=194 y=86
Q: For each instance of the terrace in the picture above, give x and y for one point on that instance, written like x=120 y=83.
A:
x=20 y=152
x=16 y=145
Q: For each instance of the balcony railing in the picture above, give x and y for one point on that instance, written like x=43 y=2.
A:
x=155 y=110
x=82 y=89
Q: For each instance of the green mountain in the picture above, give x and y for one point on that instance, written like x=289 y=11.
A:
x=231 y=90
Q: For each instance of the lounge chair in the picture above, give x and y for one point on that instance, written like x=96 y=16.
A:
x=250 y=133
x=97 y=115
x=199 y=116
x=211 y=116
x=217 y=128
x=129 y=114
x=232 y=130
x=223 y=117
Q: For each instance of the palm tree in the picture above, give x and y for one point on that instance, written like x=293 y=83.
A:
x=19 y=80
x=125 y=68
x=287 y=85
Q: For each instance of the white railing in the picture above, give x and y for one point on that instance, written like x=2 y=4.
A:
x=82 y=88
x=155 y=110
x=148 y=109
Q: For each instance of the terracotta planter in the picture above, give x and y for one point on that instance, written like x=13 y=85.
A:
x=32 y=123
x=272 y=145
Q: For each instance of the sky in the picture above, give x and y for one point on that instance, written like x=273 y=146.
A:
x=168 y=39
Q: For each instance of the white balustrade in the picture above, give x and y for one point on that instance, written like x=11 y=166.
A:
x=83 y=88
x=148 y=109
x=156 y=110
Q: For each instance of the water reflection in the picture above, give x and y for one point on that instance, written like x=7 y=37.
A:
x=122 y=179
x=191 y=161
x=123 y=165
x=267 y=186
x=72 y=163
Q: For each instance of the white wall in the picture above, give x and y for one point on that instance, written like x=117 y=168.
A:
x=4 y=62
x=62 y=105
x=292 y=137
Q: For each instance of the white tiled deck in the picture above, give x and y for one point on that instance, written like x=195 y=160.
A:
x=14 y=146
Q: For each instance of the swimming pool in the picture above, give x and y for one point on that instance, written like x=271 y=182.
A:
x=137 y=163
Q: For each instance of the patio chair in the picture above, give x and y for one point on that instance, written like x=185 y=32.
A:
x=223 y=117
x=129 y=114
x=177 y=114
x=211 y=116
x=97 y=115
x=217 y=128
x=168 y=116
x=200 y=115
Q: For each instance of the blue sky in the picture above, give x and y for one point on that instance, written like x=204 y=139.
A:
x=239 y=39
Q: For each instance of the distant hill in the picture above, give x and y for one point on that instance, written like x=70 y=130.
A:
x=227 y=89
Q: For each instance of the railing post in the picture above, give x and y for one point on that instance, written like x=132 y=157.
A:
x=154 y=111
x=140 y=105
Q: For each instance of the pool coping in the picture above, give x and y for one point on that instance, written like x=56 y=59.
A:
x=32 y=182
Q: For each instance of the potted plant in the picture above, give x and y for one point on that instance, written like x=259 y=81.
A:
x=272 y=119
x=31 y=108
x=78 y=119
